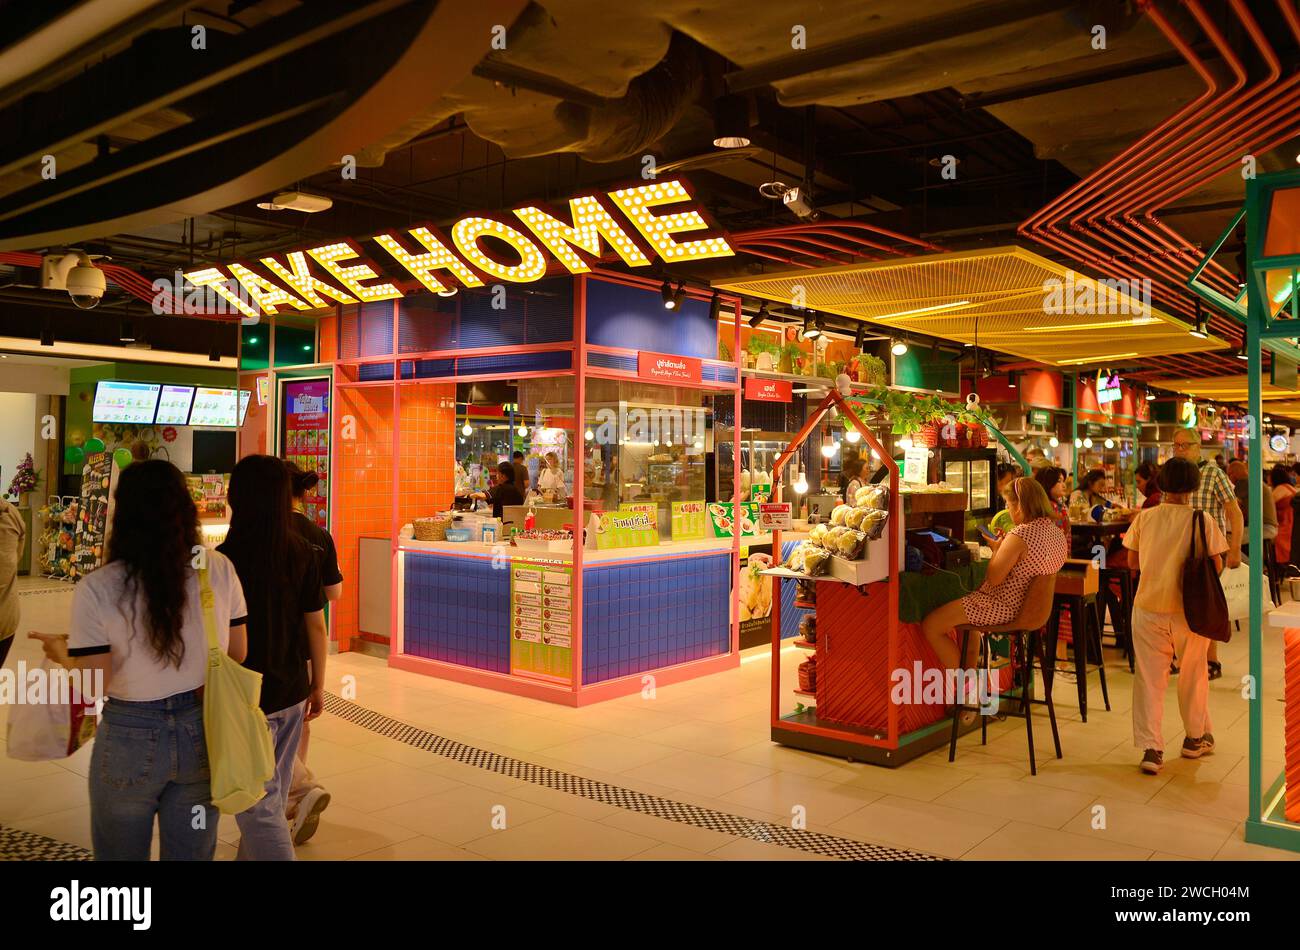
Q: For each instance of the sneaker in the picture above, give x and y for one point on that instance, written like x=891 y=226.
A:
x=307 y=818
x=1195 y=748
x=1152 y=761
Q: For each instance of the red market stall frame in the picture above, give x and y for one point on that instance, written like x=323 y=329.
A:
x=805 y=730
x=402 y=447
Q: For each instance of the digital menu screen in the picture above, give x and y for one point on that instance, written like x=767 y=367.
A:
x=214 y=407
x=116 y=401
x=174 y=405
x=244 y=396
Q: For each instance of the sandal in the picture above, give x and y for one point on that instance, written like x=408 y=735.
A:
x=1216 y=669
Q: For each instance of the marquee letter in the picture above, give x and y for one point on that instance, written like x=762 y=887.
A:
x=591 y=222
x=214 y=280
x=328 y=257
x=532 y=263
x=264 y=293
x=658 y=229
x=437 y=256
x=302 y=281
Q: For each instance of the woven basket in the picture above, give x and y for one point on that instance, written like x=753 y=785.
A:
x=431 y=529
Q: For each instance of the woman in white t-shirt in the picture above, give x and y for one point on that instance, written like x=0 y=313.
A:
x=139 y=621
x=1162 y=537
x=551 y=480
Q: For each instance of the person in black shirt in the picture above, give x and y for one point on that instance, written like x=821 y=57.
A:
x=286 y=634
x=504 y=490
x=307 y=798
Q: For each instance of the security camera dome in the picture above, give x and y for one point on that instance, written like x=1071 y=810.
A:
x=86 y=286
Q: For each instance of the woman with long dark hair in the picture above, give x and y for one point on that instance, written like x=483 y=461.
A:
x=286 y=634
x=139 y=620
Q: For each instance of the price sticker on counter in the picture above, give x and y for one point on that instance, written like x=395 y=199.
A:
x=774 y=516
x=916 y=464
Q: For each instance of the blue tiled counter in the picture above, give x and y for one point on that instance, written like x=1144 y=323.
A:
x=637 y=615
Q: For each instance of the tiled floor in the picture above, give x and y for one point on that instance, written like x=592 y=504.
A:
x=705 y=743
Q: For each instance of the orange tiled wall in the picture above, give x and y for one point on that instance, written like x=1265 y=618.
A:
x=428 y=437
x=329 y=338
x=363 y=479
x=363 y=486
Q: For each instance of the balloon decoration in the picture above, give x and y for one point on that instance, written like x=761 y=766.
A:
x=122 y=456
x=94 y=445
x=74 y=455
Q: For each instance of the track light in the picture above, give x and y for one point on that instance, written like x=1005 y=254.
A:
x=1151 y=396
x=1240 y=353
x=678 y=296
x=715 y=308
x=666 y=292
x=860 y=337
x=899 y=348
x=1013 y=380
x=759 y=317
x=47 y=336
x=1201 y=330
x=214 y=355
x=731 y=122
x=813 y=327
x=126 y=332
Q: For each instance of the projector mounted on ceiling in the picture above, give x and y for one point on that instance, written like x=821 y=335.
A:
x=297 y=201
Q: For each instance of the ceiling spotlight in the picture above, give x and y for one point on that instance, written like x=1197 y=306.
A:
x=1151 y=396
x=1087 y=443
x=1109 y=443
x=449 y=292
x=1240 y=353
x=715 y=307
x=47 y=336
x=759 y=317
x=467 y=429
x=899 y=348
x=860 y=337
x=678 y=296
x=666 y=292
x=214 y=355
x=731 y=121
x=126 y=332
x=1013 y=380
x=297 y=201
x=1201 y=331
x=813 y=327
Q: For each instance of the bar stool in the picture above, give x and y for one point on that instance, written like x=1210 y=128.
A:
x=1025 y=633
x=1085 y=631
x=1121 y=607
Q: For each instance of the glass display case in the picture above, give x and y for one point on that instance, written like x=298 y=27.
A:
x=646 y=444
x=971 y=470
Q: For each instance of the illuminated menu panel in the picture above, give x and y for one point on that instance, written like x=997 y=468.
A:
x=116 y=401
x=174 y=405
x=214 y=407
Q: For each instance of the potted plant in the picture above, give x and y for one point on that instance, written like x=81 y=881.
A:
x=871 y=369
x=789 y=353
x=26 y=478
x=764 y=351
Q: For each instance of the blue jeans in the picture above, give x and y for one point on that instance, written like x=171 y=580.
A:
x=263 y=829
x=151 y=758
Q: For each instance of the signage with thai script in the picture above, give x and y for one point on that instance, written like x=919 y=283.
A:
x=767 y=390
x=630 y=527
x=486 y=250
x=774 y=516
x=664 y=368
x=1108 y=390
x=1040 y=417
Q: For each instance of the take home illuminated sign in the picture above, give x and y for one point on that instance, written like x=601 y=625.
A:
x=477 y=250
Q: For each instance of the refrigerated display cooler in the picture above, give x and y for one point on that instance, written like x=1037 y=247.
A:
x=974 y=471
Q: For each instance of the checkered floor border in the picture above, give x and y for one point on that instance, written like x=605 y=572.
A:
x=800 y=840
x=18 y=845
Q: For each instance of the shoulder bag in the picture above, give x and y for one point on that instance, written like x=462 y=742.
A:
x=241 y=758
x=1205 y=607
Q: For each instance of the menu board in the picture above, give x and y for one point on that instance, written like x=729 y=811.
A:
x=306 y=440
x=688 y=520
x=721 y=516
x=541 y=621
x=133 y=403
x=631 y=526
x=214 y=407
x=174 y=405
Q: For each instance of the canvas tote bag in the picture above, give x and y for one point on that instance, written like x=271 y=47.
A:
x=241 y=758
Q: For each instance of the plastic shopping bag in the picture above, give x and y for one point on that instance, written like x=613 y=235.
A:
x=54 y=727
x=1236 y=590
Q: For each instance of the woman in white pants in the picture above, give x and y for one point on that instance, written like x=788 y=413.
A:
x=1162 y=537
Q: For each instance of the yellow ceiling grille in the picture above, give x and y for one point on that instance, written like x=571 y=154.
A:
x=1225 y=388
x=1013 y=300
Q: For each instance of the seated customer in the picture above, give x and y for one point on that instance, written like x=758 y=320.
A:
x=505 y=490
x=1035 y=546
x=1092 y=491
